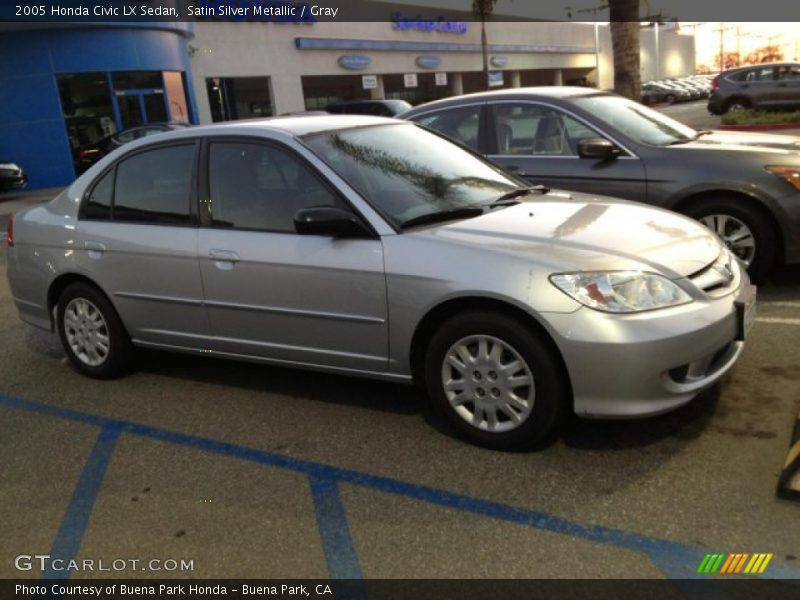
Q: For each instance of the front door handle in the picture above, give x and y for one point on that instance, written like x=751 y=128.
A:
x=223 y=255
x=94 y=247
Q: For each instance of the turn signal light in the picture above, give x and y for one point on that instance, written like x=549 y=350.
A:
x=790 y=175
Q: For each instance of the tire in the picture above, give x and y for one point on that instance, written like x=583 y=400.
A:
x=91 y=332
x=712 y=212
x=670 y=99
x=735 y=104
x=540 y=406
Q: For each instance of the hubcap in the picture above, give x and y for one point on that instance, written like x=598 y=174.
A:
x=86 y=331
x=734 y=233
x=488 y=383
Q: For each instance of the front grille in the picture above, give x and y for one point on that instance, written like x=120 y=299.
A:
x=719 y=277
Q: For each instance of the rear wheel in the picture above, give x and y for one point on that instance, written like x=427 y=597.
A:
x=496 y=381
x=91 y=332
x=670 y=98
x=744 y=229
x=735 y=104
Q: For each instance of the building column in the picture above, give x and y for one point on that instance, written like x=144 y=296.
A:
x=558 y=77
x=515 y=79
x=286 y=92
x=378 y=93
x=456 y=84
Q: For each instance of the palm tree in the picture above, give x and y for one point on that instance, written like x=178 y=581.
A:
x=483 y=9
x=624 y=15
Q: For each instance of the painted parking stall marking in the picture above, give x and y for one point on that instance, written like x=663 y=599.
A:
x=675 y=560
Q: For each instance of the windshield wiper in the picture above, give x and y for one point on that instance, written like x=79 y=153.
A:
x=443 y=215
x=702 y=133
x=523 y=191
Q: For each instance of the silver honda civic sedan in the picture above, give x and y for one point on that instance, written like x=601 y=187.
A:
x=372 y=247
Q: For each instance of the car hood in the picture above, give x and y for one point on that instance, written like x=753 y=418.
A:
x=578 y=232
x=748 y=141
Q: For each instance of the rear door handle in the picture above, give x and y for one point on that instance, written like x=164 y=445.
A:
x=223 y=255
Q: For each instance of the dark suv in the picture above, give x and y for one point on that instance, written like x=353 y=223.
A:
x=774 y=85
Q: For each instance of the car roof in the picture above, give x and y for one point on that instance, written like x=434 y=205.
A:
x=540 y=92
x=294 y=125
x=297 y=125
x=783 y=63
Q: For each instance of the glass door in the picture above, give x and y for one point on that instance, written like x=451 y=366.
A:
x=140 y=107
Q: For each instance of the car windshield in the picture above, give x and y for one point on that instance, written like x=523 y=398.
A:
x=406 y=172
x=638 y=122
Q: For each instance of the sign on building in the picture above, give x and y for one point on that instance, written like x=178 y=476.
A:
x=369 y=82
x=410 y=80
x=441 y=78
x=495 y=78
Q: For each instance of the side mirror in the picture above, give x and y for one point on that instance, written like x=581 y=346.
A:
x=598 y=148
x=329 y=220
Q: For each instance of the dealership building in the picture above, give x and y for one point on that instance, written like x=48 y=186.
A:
x=65 y=86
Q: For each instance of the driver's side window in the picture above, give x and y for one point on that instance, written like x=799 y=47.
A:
x=534 y=129
x=259 y=186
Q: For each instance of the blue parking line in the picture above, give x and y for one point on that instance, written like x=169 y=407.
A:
x=337 y=543
x=76 y=519
x=674 y=559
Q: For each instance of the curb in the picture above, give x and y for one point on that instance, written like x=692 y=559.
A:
x=776 y=127
x=789 y=480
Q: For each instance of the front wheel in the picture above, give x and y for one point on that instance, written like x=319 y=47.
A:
x=744 y=229
x=91 y=332
x=496 y=381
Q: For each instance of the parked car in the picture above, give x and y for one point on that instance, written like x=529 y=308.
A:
x=681 y=94
x=744 y=186
x=90 y=154
x=654 y=94
x=775 y=85
x=377 y=108
x=11 y=176
x=372 y=247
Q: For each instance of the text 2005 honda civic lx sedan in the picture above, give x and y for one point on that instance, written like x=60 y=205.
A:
x=371 y=247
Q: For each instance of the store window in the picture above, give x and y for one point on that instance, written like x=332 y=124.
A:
x=234 y=98
x=101 y=104
x=87 y=106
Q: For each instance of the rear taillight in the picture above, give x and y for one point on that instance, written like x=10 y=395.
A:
x=715 y=83
x=82 y=154
x=10 y=231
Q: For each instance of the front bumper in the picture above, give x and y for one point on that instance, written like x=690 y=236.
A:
x=625 y=366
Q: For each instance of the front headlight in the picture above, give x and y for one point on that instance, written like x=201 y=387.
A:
x=790 y=175
x=621 y=291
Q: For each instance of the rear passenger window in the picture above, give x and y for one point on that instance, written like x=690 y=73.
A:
x=255 y=186
x=98 y=203
x=155 y=186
